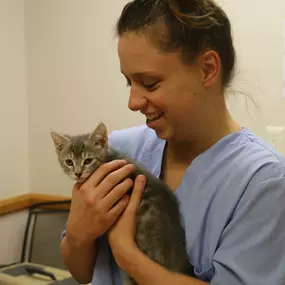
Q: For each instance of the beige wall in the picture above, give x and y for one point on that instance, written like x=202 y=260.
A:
x=13 y=101
x=73 y=79
x=258 y=33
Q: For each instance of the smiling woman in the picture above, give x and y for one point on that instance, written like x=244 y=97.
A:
x=152 y=58
x=178 y=59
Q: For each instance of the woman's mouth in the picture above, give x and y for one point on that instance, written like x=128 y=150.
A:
x=153 y=117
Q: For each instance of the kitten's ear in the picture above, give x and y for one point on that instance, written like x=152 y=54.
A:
x=59 y=140
x=99 y=136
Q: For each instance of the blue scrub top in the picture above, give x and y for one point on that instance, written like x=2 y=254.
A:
x=232 y=202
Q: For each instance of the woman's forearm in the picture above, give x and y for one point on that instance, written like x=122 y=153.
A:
x=145 y=271
x=79 y=259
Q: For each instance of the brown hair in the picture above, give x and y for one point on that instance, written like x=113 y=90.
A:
x=191 y=26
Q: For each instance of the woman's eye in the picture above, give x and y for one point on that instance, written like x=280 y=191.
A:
x=69 y=162
x=150 y=87
x=129 y=83
x=88 y=161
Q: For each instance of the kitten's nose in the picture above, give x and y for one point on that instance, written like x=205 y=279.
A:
x=78 y=174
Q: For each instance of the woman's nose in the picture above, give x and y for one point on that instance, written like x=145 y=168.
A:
x=136 y=100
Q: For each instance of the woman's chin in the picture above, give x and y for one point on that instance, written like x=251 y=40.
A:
x=162 y=133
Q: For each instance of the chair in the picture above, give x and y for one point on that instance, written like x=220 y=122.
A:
x=40 y=258
x=45 y=223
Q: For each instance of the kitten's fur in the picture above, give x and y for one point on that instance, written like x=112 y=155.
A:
x=159 y=233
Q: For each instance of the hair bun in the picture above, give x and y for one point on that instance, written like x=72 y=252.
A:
x=195 y=13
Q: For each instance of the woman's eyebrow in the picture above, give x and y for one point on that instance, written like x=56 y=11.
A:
x=144 y=73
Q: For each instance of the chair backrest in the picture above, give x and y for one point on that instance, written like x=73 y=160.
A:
x=46 y=221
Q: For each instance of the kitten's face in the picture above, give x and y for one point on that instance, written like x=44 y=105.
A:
x=80 y=155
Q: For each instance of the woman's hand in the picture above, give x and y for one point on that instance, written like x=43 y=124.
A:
x=122 y=233
x=98 y=202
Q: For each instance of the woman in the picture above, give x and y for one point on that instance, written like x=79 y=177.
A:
x=178 y=59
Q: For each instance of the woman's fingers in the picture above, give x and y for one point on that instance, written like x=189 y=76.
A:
x=135 y=199
x=116 y=194
x=113 y=179
x=96 y=178
x=118 y=209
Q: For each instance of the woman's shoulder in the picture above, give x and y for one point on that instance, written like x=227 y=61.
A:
x=266 y=168
x=123 y=135
x=235 y=160
x=260 y=155
x=235 y=188
x=237 y=169
x=246 y=154
x=134 y=142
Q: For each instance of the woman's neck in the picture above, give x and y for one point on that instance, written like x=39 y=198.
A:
x=186 y=151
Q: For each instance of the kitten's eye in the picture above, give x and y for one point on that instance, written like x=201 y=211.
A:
x=88 y=161
x=69 y=162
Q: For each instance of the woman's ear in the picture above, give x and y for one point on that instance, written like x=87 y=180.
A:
x=210 y=64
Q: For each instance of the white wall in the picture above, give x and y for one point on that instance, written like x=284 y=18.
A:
x=258 y=28
x=14 y=172
x=74 y=79
x=13 y=101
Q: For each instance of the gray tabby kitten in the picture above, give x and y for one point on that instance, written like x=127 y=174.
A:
x=159 y=233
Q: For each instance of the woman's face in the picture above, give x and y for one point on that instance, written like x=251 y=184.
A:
x=164 y=89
